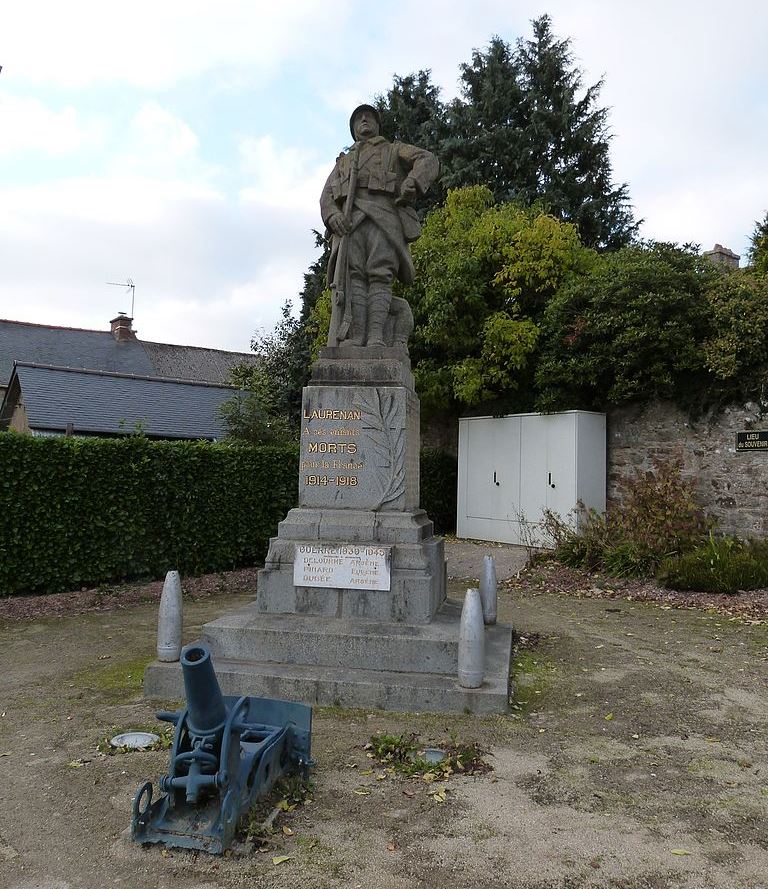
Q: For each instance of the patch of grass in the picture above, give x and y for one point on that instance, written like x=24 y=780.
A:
x=722 y=565
x=115 y=680
x=531 y=675
x=322 y=856
x=407 y=755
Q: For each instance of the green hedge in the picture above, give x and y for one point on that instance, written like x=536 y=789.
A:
x=77 y=511
x=438 y=489
x=84 y=511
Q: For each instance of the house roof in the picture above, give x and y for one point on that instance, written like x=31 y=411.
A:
x=99 y=350
x=68 y=347
x=102 y=403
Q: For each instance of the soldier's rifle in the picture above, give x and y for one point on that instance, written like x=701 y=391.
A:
x=342 y=302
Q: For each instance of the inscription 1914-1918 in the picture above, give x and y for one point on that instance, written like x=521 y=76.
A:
x=352 y=453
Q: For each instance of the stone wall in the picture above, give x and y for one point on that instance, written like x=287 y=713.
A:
x=731 y=486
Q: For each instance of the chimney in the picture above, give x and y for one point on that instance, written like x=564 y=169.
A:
x=723 y=256
x=122 y=329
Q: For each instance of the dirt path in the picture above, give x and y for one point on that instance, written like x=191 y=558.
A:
x=636 y=757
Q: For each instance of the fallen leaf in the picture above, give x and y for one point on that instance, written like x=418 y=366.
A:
x=429 y=777
x=391 y=847
x=680 y=852
x=362 y=791
x=409 y=793
x=5 y=754
x=281 y=859
x=287 y=831
x=285 y=806
x=382 y=776
x=438 y=795
x=366 y=772
x=608 y=717
x=76 y=764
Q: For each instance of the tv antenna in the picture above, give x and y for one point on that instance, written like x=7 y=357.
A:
x=129 y=285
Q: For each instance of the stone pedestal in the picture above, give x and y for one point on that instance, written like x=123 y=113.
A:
x=350 y=605
x=359 y=488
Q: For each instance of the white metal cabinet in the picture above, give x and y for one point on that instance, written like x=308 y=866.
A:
x=513 y=468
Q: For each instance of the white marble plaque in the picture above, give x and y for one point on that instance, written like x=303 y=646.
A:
x=350 y=566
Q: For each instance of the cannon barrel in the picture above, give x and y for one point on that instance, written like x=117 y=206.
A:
x=205 y=704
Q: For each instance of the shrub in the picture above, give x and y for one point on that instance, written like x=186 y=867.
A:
x=658 y=517
x=438 y=488
x=723 y=565
x=85 y=511
x=629 y=330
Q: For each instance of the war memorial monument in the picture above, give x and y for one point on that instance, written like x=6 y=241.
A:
x=351 y=604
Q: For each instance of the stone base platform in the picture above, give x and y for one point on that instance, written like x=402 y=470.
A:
x=418 y=566
x=352 y=663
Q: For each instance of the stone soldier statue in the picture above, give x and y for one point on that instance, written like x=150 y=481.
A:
x=365 y=205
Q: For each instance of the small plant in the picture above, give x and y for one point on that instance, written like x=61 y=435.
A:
x=658 y=517
x=404 y=754
x=290 y=792
x=722 y=565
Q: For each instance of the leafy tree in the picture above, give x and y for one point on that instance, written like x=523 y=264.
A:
x=251 y=415
x=630 y=330
x=411 y=111
x=484 y=274
x=268 y=408
x=758 y=251
x=314 y=277
x=527 y=128
x=737 y=352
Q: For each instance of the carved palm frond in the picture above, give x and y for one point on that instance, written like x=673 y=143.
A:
x=386 y=434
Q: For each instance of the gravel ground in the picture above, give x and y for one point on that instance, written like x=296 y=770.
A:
x=634 y=755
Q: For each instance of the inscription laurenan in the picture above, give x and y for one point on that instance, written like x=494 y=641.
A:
x=332 y=415
x=352 y=448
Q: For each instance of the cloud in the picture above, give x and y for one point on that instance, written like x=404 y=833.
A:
x=151 y=44
x=208 y=270
x=30 y=125
x=281 y=176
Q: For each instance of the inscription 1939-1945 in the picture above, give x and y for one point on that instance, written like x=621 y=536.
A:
x=752 y=440
x=346 y=566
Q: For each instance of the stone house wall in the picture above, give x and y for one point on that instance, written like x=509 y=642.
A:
x=731 y=486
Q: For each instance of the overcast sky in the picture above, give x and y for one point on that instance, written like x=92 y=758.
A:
x=184 y=144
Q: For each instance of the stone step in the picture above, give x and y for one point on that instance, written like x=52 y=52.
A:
x=346 y=687
x=330 y=642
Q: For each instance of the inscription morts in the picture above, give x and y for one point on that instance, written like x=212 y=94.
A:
x=351 y=566
x=354 y=449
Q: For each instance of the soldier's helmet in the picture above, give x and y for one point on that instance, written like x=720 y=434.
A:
x=357 y=110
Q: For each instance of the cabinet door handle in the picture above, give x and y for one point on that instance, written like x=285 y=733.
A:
x=549 y=480
x=494 y=479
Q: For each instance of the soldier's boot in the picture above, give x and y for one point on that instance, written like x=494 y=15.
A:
x=378 y=311
x=356 y=334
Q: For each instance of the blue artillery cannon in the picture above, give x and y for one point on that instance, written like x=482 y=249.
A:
x=227 y=753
